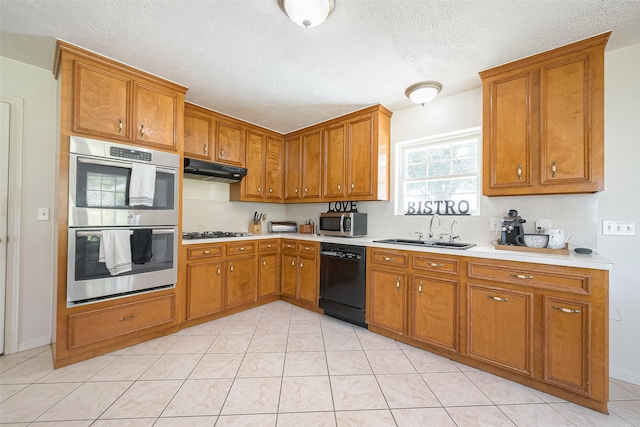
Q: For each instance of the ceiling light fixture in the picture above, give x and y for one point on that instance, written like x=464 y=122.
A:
x=423 y=92
x=307 y=13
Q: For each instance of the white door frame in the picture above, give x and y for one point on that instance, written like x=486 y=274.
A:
x=13 y=224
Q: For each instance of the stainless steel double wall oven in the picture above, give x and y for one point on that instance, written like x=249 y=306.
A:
x=99 y=184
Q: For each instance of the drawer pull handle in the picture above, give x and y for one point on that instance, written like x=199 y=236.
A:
x=519 y=172
x=204 y=148
x=521 y=276
x=259 y=189
x=565 y=310
x=398 y=284
x=301 y=264
x=142 y=130
x=119 y=125
x=264 y=263
x=307 y=248
x=293 y=263
x=497 y=298
x=231 y=267
x=388 y=259
x=420 y=287
x=433 y=264
x=553 y=169
x=218 y=271
x=206 y=252
x=268 y=246
x=242 y=248
x=133 y=316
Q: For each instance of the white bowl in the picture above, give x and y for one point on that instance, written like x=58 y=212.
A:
x=536 y=240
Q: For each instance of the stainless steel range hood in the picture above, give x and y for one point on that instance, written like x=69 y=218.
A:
x=210 y=171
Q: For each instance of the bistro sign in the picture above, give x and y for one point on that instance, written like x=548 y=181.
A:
x=439 y=207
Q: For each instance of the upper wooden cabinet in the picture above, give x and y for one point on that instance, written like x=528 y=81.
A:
x=229 y=143
x=543 y=122
x=110 y=100
x=199 y=132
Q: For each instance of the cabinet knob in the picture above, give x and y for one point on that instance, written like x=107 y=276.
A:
x=120 y=126
x=306 y=189
x=218 y=271
x=296 y=191
x=269 y=245
x=420 y=287
x=231 y=268
x=242 y=248
x=565 y=310
x=293 y=263
x=307 y=248
x=519 y=172
x=339 y=187
x=553 y=169
x=301 y=264
x=270 y=190
x=141 y=131
x=352 y=185
x=221 y=153
x=264 y=263
x=497 y=298
x=398 y=283
x=259 y=189
x=521 y=276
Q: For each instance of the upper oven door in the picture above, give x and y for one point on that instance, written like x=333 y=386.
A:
x=99 y=181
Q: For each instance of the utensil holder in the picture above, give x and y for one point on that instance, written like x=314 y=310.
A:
x=255 y=228
x=305 y=228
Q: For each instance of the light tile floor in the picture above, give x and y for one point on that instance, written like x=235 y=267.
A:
x=281 y=365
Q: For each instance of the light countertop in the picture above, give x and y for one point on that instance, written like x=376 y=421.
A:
x=481 y=250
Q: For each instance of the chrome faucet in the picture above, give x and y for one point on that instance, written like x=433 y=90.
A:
x=431 y=225
x=453 y=238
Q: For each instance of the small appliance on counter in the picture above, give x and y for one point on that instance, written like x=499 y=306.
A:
x=512 y=227
x=282 y=227
x=347 y=224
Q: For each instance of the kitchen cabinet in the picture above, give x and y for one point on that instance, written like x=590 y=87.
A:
x=335 y=158
x=241 y=286
x=387 y=280
x=303 y=166
x=205 y=280
x=301 y=271
x=109 y=100
x=500 y=327
x=199 y=135
x=543 y=122
x=268 y=268
x=264 y=160
x=229 y=142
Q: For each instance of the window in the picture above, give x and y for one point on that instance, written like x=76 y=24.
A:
x=439 y=175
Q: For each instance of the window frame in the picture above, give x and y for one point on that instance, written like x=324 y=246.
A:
x=449 y=137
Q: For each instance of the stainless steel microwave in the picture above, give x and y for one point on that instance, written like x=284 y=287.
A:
x=347 y=224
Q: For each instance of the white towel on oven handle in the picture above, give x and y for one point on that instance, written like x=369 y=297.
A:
x=115 y=251
x=143 y=184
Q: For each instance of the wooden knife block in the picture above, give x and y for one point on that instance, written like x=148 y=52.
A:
x=255 y=228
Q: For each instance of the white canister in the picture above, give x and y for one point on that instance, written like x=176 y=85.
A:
x=556 y=239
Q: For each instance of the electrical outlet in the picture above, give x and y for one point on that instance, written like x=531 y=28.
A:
x=619 y=228
x=496 y=224
x=43 y=214
x=543 y=224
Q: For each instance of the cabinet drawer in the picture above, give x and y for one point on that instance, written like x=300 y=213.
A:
x=267 y=245
x=240 y=248
x=289 y=245
x=209 y=251
x=559 y=278
x=307 y=248
x=98 y=325
x=435 y=264
x=389 y=257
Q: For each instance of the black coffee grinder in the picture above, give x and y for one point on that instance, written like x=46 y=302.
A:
x=512 y=227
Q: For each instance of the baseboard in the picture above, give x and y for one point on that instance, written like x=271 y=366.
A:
x=622 y=375
x=34 y=344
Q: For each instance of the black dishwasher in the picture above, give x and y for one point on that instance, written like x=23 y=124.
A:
x=342 y=282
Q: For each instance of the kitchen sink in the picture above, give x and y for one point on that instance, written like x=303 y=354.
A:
x=428 y=243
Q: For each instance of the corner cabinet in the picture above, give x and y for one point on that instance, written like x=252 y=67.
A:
x=543 y=122
x=116 y=102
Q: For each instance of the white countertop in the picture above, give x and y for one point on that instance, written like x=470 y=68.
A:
x=481 y=250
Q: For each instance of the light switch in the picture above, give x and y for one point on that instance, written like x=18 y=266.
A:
x=619 y=228
x=43 y=214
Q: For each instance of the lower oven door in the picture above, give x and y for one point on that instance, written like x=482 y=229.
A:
x=88 y=280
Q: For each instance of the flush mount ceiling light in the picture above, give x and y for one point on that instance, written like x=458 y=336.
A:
x=423 y=92
x=307 y=13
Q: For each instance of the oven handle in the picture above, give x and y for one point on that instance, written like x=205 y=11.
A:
x=120 y=164
x=99 y=233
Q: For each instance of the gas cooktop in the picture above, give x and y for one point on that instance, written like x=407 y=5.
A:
x=211 y=234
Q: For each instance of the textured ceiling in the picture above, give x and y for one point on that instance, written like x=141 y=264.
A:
x=246 y=59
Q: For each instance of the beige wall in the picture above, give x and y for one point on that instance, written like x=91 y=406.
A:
x=37 y=88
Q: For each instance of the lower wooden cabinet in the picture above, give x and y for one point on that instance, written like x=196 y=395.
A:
x=387 y=299
x=500 y=327
x=268 y=268
x=205 y=282
x=434 y=311
x=566 y=343
x=241 y=287
x=301 y=271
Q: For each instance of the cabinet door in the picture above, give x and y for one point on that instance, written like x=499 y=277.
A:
x=268 y=269
x=500 y=325
x=274 y=172
x=241 y=281
x=308 y=277
x=101 y=102
x=334 y=161
x=565 y=119
x=292 y=169
x=205 y=291
x=566 y=343
x=155 y=113
x=434 y=313
x=508 y=121
x=198 y=134
x=387 y=299
x=254 y=181
x=311 y=165
x=360 y=157
x=229 y=143
x=289 y=275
